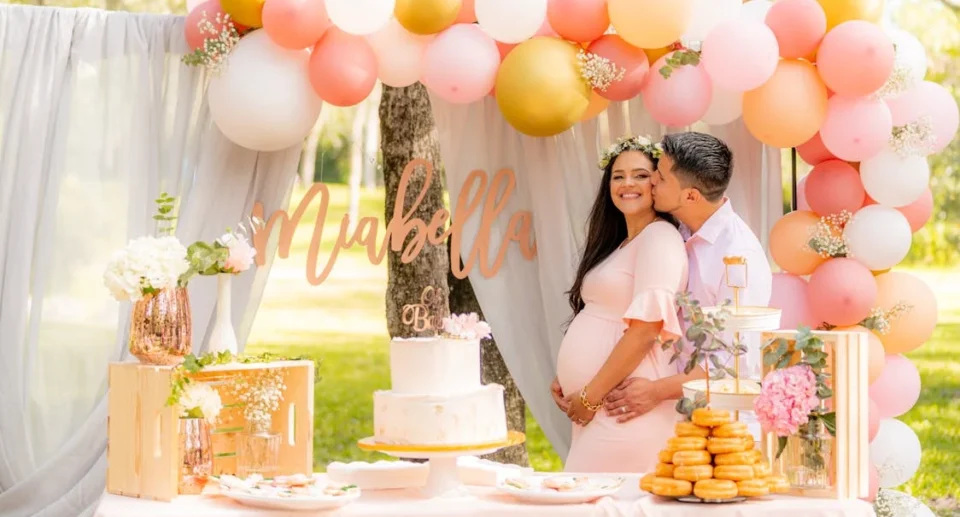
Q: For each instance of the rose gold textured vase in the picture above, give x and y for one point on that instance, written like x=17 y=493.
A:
x=196 y=455
x=161 y=327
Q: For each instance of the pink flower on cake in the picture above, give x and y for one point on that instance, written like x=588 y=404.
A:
x=786 y=399
x=241 y=253
x=466 y=326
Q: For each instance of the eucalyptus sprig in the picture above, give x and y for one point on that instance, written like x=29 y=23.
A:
x=682 y=57
x=165 y=216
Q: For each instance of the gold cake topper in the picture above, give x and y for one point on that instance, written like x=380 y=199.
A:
x=425 y=315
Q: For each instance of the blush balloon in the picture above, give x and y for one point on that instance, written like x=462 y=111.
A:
x=343 y=68
x=740 y=54
x=632 y=59
x=919 y=212
x=799 y=25
x=210 y=10
x=930 y=100
x=897 y=389
x=789 y=294
x=680 y=100
x=855 y=58
x=856 y=128
x=842 y=292
x=832 y=187
x=873 y=422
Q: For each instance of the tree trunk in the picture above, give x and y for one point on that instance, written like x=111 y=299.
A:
x=408 y=132
x=494 y=370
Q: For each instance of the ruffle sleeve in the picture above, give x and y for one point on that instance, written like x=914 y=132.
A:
x=653 y=305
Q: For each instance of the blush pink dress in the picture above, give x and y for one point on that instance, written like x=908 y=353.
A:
x=639 y=281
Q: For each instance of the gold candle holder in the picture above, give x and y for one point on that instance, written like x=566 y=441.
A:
x=734 y=263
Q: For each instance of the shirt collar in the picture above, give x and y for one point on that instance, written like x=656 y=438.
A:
x=712 y=227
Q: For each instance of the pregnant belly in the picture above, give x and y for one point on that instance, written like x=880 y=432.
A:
x=585 y=347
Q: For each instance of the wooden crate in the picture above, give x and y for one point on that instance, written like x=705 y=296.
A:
x=142 y=432
x=847 y=366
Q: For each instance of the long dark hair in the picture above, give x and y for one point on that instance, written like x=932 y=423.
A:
x=606 y=231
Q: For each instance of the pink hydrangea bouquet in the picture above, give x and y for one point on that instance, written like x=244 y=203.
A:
x=466 y=326
x=786 y=399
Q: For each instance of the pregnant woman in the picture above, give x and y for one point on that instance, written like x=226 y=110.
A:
x=633 y=265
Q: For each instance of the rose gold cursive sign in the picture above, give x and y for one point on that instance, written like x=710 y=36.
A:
x=424 y=316
x=493 y=194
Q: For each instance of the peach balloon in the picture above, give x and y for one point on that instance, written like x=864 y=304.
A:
x=799 y=25
x=839 y=11
x=832 y=187
x=650 y=23
x=918 y=212
x=468 y=13
x=788 y=109
x=788 y=243
x=596 y=107
x=842 y=292
x=916 y=325
x=876 y=355
x=814 y=152
x=631 y=59
x=856 y=58
x=578 y=20
x=343 y=68
x=295 y=24
x=680 y=100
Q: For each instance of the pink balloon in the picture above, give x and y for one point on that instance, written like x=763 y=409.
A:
x=834 y=186
x=790 y=296
x=874 y=484
x=928 y=99
x=680 y=100
x=842 y=291
x=873 y=420
x=191 y=26
x=460 y=65
x=856 y=128
x=578 y=20
x=799 y=26
x=295 y=24
x=918 y=212
x=399 y=54
x=898 y=388
x=632 y=59
x=802 y=203
x=544 y=30
x=342 y=69
x=740 y=54
x=468 y=13
x=855 y=58
x=813 y=151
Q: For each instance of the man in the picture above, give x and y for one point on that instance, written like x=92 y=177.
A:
x=691 y=178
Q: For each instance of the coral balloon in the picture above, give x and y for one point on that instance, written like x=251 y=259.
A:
x=873 y=422
x=856 y=128
x=895 y=180
x=708 y=14
x=460 y=65
x=842 y=292
x=631 y=59
x=920 y=211
x=832 y=187
x=399 y=54
x=680 y=100
x=511 y=21
x=426 y=17
x=740 y=54
x=898 y=388
x=878 y=237
x=360 y=17
x=725 y=107
x=213 y=13
x=799 y=25
x=932 y=102
x=262 y=100
x=788 y=109
x=802 y=203
x=650 y=23
x=788 y=243
x=876 y=356
x=467 y=12
x=814 y=152
x=596 y=107
x=789 y=294
x=578 y=20
x=343 y=68
x=856 y=58
x=539 y=88
x=840 y=11
x=245 y=12
x=914 y=326
x=295 y=24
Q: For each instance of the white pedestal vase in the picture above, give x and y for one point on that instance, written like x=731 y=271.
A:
x=222 y=337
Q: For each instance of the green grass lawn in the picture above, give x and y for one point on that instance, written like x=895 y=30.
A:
x=342 y=322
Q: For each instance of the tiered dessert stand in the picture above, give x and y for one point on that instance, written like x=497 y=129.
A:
x=741 y=319
x=444 y=478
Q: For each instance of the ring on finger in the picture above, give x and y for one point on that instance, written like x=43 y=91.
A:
x=623 y=409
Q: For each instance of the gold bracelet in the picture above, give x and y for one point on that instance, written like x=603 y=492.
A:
x=586 y=403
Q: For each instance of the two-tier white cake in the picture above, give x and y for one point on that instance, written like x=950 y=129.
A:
x=436 y=396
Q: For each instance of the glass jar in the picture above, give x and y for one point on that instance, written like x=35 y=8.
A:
x=258 y=451
x=807 y=456
x=196 y=455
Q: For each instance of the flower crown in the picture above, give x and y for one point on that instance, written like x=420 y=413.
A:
x=629 y=143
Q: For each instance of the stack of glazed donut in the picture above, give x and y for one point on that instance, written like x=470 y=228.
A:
x=712 y=458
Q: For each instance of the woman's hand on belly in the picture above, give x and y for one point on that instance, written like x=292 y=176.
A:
x=634 y=397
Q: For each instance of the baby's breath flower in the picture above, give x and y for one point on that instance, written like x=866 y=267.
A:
x=826 y=237
x=599 y=71
x=260 y=393
x=217 y=43
x=880 y=320
x=629 y=143
x=914 y=139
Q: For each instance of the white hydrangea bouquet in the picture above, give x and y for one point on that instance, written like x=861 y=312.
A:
x=199 y=400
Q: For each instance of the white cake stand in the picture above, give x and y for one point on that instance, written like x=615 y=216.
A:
x=444 y=478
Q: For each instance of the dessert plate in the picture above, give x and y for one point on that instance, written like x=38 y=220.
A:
x=560 y=489
x=287 y=492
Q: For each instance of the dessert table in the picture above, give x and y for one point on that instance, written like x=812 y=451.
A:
x=485 y=502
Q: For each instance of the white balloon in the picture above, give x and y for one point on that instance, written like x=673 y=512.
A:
x=360 y=17
x=707 y=14
x=191 y=4
x=263 y=99
x=725 y=107
x=910 y=53
x=399 y=54
x=895 y=451
x=878 y=237
x=892 y=180
x=511 y=21
x=756 y=10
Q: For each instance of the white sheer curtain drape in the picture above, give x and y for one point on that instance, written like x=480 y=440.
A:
x=97 y=118
x=557 y=179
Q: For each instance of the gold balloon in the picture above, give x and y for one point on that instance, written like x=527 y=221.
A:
x=244 y=12
x=650 y=23
x=426 y=17
x=539 y=87
x=653 y=54
x=839 y=11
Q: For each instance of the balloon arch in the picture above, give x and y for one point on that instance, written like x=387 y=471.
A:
x=821 y=76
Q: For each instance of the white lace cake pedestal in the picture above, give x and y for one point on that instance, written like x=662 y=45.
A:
x=444 y=477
